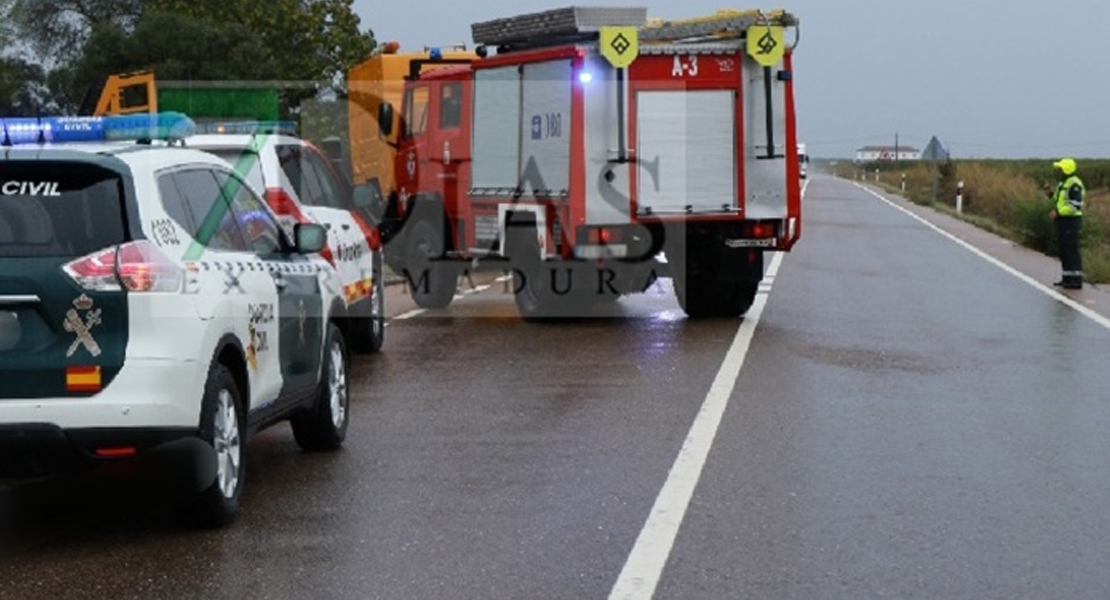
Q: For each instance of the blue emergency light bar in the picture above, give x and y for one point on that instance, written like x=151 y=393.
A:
x=250 y=127
x=43 y=130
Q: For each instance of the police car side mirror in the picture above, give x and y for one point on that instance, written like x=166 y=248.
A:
x=385 y=119
x=310 y=238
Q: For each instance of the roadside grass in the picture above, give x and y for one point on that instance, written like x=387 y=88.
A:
x=1004 y=197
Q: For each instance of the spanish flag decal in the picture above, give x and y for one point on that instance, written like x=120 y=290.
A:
x=83 y=379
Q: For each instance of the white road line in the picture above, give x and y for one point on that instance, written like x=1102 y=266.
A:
x=416 y=312
x=1063 y=299
x=645 y=564
x=419 y=311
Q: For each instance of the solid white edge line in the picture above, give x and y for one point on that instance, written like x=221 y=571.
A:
x=1063 y=299
x=644 y=567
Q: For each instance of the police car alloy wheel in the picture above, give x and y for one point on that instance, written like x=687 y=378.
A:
x=221 y=426
x=225 y=440
x=375 y=327
x=324 y=426
x=337 y=386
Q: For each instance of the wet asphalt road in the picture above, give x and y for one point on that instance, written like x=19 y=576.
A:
x=910 y=421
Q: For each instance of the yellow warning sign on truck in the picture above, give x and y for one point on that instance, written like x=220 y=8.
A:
x=766 y=44
x=620 y=45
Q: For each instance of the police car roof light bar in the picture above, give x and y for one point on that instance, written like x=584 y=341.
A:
x=141 y=127
x=249 y=127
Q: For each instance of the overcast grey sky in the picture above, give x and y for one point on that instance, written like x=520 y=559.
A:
x=990 y=78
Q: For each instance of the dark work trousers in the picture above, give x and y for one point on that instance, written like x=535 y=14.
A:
x=1067 y=236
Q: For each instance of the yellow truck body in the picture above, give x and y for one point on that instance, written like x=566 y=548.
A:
x=377 y=80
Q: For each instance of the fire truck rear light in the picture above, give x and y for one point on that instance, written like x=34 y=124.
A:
x=136 y=266
x=120 y=452
x=585 y=77
x=603 y=235
x=760 y=230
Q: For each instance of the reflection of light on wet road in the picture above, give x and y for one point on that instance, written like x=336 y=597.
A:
x=670 y=316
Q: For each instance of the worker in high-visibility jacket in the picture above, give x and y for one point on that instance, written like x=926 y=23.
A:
x=1067 y=212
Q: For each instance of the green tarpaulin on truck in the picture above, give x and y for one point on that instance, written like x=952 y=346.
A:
x=206 y=103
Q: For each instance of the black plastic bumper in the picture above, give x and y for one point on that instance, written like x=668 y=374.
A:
x=35 y=449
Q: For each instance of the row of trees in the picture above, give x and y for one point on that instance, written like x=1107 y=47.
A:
x=53 y=51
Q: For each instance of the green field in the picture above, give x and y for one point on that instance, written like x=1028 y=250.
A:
x=1005 y=197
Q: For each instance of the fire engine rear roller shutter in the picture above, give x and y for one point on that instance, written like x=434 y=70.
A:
x=545 y=128
x=693 y=135
x=496 y=141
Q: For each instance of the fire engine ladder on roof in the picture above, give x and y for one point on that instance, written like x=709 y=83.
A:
x=575 y=24
x=722 y=25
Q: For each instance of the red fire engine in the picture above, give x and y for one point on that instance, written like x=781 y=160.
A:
x=590 y=151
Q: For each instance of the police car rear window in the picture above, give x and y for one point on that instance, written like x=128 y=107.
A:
x=51 y=208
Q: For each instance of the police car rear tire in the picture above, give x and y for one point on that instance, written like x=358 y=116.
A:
x=222 y=427
x=324 y=426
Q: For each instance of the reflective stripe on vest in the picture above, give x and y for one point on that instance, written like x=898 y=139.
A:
x=1065 y=206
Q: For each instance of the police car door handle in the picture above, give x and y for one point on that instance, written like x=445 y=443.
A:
x=280 y=282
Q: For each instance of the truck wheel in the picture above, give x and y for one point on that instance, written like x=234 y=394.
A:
x=535 y=300
x=324 y=426
x=703 y=295
x=369 y=331
x=221 y=426
x=432 y=282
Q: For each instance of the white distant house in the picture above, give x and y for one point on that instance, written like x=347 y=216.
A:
x=880 y=153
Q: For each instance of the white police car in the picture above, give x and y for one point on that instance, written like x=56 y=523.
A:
x=301 y=186
x=148 y=294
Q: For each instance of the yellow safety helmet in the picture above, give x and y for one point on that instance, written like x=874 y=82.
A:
x=1067 y=165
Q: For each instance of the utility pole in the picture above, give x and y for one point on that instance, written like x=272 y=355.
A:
x=896 y=146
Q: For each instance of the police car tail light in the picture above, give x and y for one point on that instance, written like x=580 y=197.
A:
x=142 y=267
x=289 y=213
x=327 y=255
x=136 y=267
x=284 y=205
x=373 y=237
